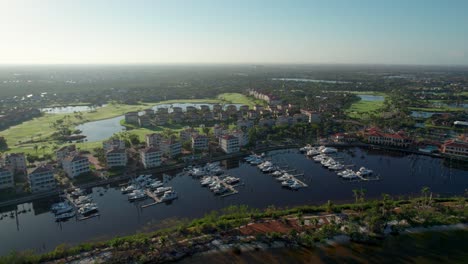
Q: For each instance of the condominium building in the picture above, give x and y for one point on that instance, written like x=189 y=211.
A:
x=153 y=139
x=116 y=158
x=229 y=144
x=455 y=148
x=113 y=144
x=41 y=179
x=6 y=178
x=75 y=165
x=199 y=142
x=16 y=161
x=170 y=147
x=150 y=157
x=63 y=152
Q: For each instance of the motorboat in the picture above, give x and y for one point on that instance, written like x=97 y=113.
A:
x=155 y=184
x=313 y=152
x=220 y=190
x=277 y=173
x=265 y=164
x=349 y=176
x=65 y=216
x=364 y=172
x=88 y=208
x=305 y=148
x=285 y=177
x=329 y=150
x=296 y=185
x=63 y=208
x=162 y=190
x=130 y=188
x=344 y=172
x=288 y=182
x=231 y=180
x=83 y=199
x=77 y=192
x=169 y=196
x=136 y=195
x=336 y=166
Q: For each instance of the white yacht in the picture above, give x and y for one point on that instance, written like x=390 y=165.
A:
x=83 y=199
x=65 y=208
x=88 y=208
x=285 y=177
x=305 y=148
x=336 y=166
x=313 y=152
x=231 y=180
x=137 y=195
x=329 y=150
x=288 y=182
x=162 y=190
x=364 y=172
x=155 y=184
x=296 y=185
x=168 y=196
x=277 y=173
x=130 y=188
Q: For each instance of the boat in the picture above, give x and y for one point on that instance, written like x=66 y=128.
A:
x=231 y=180
x=313 y=152
x=329 y=150
x=65 y=216
x=364 y=172
x=344 y=172
x=288 y=182
x=220 y=190
x=154 y=184
x=130 y=188
x=277 y=173
x=305 y=148
x=285 y=177
x=88 y=208
x=349 y=176
x=336 y=166
x=57 y=206
x=162 y=190
x=206 y=181
x=137 y=195
x=83 y=199
x=64 y=208
x=169 y=196
x=296 y=185
x=77 y=192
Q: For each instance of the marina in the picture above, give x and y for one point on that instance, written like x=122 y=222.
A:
x=33 y=226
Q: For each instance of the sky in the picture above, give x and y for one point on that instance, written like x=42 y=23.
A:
x=224 y=31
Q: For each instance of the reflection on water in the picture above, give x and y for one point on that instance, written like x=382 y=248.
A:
x=401 y=175
x=369 y=97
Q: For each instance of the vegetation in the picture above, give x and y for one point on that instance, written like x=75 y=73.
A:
x=362 y=215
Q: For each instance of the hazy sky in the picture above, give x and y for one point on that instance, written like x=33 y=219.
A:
x=234 y=31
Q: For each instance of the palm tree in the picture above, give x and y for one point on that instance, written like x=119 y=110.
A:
x=385 y=203
x=362 y=194
x=356 y=194
x=329 y=206
x=36 y=147
x=424 y=192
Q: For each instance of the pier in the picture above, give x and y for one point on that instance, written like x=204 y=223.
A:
x=153 y=196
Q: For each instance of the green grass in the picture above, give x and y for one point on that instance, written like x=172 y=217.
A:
x=39 y=128
x=237 y=98
x=361 y=109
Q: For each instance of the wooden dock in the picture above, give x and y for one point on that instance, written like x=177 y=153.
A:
x=153 y=196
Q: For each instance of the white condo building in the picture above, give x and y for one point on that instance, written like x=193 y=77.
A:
x=229 y=144
x=150 y=157
x=6 y=179
x=75 y=165
x=41 y=179
x=116 y=158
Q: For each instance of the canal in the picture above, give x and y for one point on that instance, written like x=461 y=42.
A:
x=401 y=174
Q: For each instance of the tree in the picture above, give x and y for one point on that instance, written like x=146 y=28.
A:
x=206 y=130
x=386 y=202
x=329 y=206
x=36 y=147
x=43 y=148
x=356 y=195
x=424 y=192
x=3 y=144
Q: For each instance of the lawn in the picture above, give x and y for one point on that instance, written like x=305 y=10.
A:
x=438 y=109
x=361 y=109
x=39 y=128
x=237 y=98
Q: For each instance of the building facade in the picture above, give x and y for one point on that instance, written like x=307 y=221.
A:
x=6 y=178
x=150 y=157
x=41 y=179
x=116 y=158
x=75 y=165
x=229 y=144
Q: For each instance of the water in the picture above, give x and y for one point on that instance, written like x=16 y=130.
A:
x=307 y=80
x=103 y=129
x=373 y=98
x=421 y=114
x=454 y=105
x=69 y=109
x=401 y=175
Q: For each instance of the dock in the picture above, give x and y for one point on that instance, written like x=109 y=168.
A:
x=153 y=196
x=88 y=217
